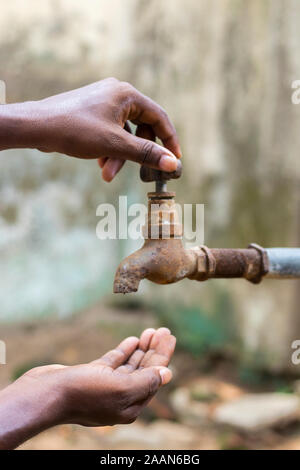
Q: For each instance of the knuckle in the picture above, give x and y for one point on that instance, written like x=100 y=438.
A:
x=146 y=152
x=154 y=383
x=32 y=372
x=113 y=356
x=111 y=79
x=35 y=371
x=126 y=88
x=163 y=112
x=166 y=121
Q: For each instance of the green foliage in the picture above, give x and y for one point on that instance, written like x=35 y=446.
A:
x=256 y=376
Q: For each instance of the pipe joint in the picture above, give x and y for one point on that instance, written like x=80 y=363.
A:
x=250 y=263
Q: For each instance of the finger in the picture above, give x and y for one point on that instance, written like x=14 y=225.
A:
x=143 y=151
x=120 y=354
x=144 y=383
x=136 y=358
x=151 y=113
x=111 y=167
x=162 y=353
x=156 y=338
x=145 y=132
x=159 y=334
x=146 y=338
x=135 y=409
x=133 y=362
x=165 y=374
x=101 y=161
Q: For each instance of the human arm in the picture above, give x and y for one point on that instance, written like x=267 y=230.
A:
x=113 y=389
x=93 y=122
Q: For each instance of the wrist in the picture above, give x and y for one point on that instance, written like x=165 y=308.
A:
x=29 y=406
x=20 y=125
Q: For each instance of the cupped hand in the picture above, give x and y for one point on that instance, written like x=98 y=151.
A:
x=115 y=388
x=93 y=122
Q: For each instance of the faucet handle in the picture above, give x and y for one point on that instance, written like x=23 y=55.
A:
x=149 y=174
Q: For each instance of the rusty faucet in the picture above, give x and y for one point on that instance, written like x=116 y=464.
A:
x=163 y=259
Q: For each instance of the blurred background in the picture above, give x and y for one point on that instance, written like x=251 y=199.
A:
x=223 y=70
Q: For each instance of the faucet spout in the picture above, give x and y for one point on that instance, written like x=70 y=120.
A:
x=131 y=271
x=163 y=261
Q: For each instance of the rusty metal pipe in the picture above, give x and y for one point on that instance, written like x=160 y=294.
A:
x=250 y=263
x=164 y=260
x=235 y=263
x=167 y=261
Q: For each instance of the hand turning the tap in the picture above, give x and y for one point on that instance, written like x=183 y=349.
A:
x=93 y=122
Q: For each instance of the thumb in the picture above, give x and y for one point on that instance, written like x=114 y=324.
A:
x=146 y=382
x=165 y=374
x=146 y=152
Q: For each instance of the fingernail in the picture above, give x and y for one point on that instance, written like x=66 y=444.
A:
x=166 y=375
x=167 y=163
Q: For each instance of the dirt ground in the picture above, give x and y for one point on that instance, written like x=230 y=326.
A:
x=87 y=336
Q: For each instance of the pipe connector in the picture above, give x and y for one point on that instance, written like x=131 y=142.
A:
x=250 y=263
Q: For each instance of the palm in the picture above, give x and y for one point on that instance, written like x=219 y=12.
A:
x=125 y=378
x=153 y=349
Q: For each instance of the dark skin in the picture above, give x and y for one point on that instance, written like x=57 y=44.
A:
x=111 y=390
x=91 y=123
